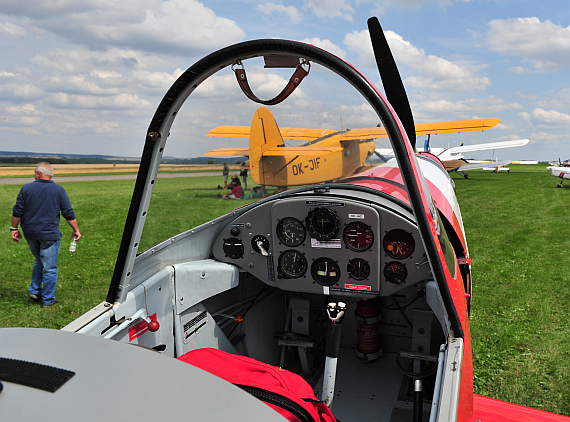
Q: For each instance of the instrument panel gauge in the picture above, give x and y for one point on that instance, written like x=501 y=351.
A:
x=233 y=248
x=325 y=271
x=292 y=264
x=399 y=244
x=358 y=269
x=358 y=236
x=322 y=223
x=291 y=232
x=395 y=272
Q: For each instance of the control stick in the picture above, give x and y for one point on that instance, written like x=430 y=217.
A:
x=336 y=313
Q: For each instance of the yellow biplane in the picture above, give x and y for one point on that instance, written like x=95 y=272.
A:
x=327 y=155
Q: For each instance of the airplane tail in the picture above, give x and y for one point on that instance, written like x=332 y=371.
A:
x=264 y=136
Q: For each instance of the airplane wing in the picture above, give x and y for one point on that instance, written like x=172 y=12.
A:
x=473 y=166
x=301 y=134
x=487 y=146
x=276 y=152
x=311 y=134
x=456 y=126
x=308 y=150
x=226 y=152
x=230 y=132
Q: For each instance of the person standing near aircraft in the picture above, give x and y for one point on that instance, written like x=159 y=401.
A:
x=225 y=174
x=243 y=174
x=38 y=207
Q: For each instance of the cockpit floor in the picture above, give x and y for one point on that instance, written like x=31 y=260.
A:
x=367 y=392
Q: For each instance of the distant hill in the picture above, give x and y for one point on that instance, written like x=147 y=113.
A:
x=21 y=157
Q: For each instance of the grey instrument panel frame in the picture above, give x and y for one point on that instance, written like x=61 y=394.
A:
x=381 y=214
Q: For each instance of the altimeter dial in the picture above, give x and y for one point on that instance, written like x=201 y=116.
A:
x=292 y=264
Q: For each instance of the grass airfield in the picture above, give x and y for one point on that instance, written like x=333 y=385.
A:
x=518 y=235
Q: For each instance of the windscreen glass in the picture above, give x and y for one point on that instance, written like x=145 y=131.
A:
x=324 y=131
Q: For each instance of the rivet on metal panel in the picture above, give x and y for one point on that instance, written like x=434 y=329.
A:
x=153 y=136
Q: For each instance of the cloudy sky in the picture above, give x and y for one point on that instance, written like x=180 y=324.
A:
x=86 y=76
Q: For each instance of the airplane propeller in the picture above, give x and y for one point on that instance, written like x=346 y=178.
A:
x=393 y=85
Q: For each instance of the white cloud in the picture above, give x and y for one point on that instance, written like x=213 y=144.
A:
x=543 y=44
x=20 y=92
x=544 y=137
x=434 y=73
x=291 y=11
x=546 y=117
x=326 y=45
x=559 y=99
x=120 y=101
x=330 y=8
x=80 y=60
x=171 y=26
x=519 y=70
x=9 y=31
x=467 y=108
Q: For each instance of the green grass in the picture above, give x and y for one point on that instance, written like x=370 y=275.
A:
x=101 y=209
x=519 y=239
x=518 y=235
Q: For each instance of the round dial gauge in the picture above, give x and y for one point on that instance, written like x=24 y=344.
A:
x=233 y=248
x=358 y=269
x=358 y=236
x=292 y=264
x=325 y=271
x=395 y=272
x=290 y=231
x=322 y=223
x=399 y=244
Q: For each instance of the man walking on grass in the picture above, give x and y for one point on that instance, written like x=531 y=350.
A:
x=37 y=209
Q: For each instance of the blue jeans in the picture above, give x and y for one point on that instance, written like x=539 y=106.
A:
x=45 y=253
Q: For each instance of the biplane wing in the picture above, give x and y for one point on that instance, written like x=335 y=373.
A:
x=311 y=134
x=455 y=126
x=227 y=152
x=301 y=151
x=302 y=134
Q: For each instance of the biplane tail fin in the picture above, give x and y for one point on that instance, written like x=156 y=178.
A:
x=264 y=136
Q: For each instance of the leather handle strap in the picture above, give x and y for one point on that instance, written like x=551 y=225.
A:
x=293 y=83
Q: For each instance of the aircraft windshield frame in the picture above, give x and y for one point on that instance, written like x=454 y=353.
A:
x=186 y=84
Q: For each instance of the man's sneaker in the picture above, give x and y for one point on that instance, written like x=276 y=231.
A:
x=49 y=304
x=35 y=297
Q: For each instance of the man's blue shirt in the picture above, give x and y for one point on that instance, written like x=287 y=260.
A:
x=38 y=206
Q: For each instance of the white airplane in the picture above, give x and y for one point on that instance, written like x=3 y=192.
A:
x=561 y=171
x=453 y=158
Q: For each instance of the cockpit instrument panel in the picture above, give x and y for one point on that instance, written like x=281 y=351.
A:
x=332 y=245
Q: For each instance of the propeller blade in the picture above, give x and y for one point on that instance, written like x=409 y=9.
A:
x=393 y=85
